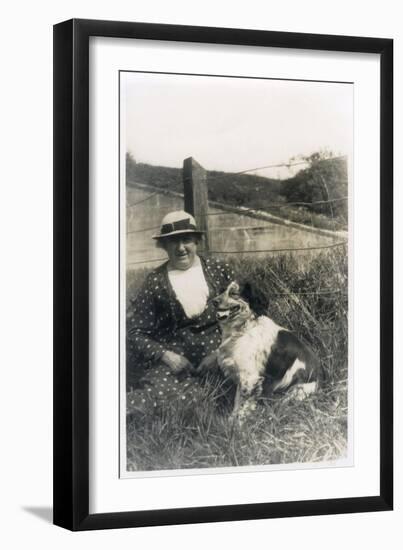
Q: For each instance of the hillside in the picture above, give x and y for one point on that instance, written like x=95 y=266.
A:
x=324 y=179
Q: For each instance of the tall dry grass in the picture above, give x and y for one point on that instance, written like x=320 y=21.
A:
x=308 y=296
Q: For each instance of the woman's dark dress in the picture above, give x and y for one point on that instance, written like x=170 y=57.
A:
x=156 y=322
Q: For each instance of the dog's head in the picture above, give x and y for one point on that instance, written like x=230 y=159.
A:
x=231 y=306
x=236 y=304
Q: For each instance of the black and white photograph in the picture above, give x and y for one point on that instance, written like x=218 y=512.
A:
x=234 y=272
x=202 y=249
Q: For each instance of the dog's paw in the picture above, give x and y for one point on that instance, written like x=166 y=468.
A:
x=207 y=364
x=245 y=411
x=227 y=363
x=302 y=391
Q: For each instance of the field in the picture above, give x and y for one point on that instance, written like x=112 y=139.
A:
x=311 y=299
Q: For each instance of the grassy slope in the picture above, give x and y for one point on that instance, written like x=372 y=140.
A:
x=280 y=431
x=324 y=179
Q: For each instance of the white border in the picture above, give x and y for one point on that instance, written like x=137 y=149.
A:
x=108 y=493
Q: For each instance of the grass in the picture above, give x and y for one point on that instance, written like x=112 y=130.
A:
x=278 y=432
x=309 y=298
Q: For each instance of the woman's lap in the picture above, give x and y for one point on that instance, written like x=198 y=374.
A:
x=159 y=386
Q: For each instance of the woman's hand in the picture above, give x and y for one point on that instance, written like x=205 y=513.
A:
x=176 y=362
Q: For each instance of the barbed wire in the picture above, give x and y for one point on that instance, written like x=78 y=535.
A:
x=142 y=200
x=320 y=247
x=313 y=293
x=143 y=230
x=275 y=294
x=242 y=210
x=261 y=228
x=287 y=164
x=147 y=261
x=255 y=208
x=333 y=245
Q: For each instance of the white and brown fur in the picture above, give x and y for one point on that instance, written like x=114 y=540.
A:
x=258 y=355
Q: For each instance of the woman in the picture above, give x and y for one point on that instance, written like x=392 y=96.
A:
x=172 y=325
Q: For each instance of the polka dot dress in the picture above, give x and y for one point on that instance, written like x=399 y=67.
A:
x=162 y=386
x=156 y=322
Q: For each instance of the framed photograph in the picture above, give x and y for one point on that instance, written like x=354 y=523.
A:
x=223 y=320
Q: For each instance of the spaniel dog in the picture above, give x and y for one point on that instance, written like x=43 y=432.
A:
x=258 y=355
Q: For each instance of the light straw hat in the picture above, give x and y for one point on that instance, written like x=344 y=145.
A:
x=177 y=223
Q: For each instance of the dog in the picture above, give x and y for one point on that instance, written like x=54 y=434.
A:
x=259 y=356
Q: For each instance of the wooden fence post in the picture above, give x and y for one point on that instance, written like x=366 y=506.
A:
x=196 y=196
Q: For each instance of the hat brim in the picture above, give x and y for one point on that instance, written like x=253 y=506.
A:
x=179 y=232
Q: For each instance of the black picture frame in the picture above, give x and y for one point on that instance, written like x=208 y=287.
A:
x=72 y=284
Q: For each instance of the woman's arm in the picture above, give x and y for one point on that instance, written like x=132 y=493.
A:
x=142 y=325
x=142 y=329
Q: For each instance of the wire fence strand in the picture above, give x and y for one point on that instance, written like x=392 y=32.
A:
x=280 y=165
x=143 y=200
x=240 y=210
x=143 y=230
x=311 y=293
x=147 y=261
x=333 y=245
x=342 y=243
x=244 y=210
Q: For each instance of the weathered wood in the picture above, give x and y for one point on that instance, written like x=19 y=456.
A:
x=196 y=196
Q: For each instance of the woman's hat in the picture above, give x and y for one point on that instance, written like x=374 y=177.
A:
x=176 y=223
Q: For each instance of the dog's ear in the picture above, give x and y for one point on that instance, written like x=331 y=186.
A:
x=246 y=292
x=256 y=299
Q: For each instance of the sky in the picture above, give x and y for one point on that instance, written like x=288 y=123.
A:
x=233 y=124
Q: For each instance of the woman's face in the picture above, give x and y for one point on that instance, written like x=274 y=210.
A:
x=181 y=250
